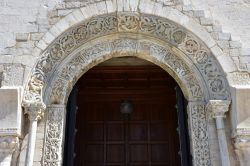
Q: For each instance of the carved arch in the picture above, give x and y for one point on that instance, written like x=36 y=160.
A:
x=143 y=24
x=186 y=57
x=103 y=48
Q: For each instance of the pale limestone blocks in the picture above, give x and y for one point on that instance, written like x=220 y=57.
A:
x=10 y=124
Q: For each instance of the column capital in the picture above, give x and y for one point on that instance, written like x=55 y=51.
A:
x=35 y=110
x=218 y=108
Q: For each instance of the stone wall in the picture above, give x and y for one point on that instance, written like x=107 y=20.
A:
x=24 y=23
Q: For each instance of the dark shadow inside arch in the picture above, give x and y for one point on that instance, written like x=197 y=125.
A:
x=156 y=131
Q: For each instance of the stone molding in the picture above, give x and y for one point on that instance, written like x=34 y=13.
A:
x=198 y=130
x=54 y=132
x=62 y=62
x=105 y=49
x=143 y=24
x=218 y=107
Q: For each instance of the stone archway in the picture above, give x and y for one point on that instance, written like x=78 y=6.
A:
x=153 y=38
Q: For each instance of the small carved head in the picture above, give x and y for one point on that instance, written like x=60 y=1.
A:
x=35 y=85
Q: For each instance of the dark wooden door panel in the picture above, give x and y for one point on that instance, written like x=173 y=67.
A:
x=147 y=137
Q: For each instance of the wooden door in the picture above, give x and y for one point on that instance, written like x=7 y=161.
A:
x=105 y=137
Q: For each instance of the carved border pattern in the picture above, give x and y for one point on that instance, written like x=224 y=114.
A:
x=141 y=24
x=73 y=69
x=54 y=135
x=199 y=133
x=150 y=25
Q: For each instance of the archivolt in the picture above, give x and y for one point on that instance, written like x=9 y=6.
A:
x=101 y=49
x=140 y=24
x=150 y=37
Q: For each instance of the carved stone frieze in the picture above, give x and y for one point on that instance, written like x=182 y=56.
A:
x=145 y=24
x=199 y=133
x=73 y=69
x=56 y=67
x=52 y=154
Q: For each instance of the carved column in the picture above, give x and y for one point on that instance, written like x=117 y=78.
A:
x=242 y=149
x=199 y=133
x=35 y=112
x=218 y=109
x=54 y=138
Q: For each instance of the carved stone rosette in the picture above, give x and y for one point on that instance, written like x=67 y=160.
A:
x=54 y=132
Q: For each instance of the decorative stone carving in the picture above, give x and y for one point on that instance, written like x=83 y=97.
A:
x=218 y=107
x=239 y=78
x=54 y=135
x=74 y=67
x=142 y=26
x=199 y=133
x=12 y=75
x=133 y=23
x=35 y=110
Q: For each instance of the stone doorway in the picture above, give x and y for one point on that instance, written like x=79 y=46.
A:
x=104 y=136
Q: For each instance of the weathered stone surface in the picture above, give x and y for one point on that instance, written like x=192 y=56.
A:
x=13 y=74
x=10 y=111
x=240 y=113
x=223 y=26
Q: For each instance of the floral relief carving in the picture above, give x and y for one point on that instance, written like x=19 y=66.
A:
x=191 y=46
x=200 y=143
x=58 y=90
x=142 y=25
x=179 y=36
x=53 y=138
x=126 y=22
x=83 y=58
x=202 y=56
